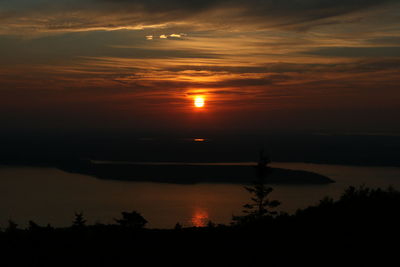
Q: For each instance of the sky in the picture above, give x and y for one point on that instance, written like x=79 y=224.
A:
x=260 y=66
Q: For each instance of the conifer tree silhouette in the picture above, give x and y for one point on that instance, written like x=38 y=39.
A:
x=12 y=226
x=260 y=205
x=79 y=220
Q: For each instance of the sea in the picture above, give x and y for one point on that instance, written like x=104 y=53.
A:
x=48 y=195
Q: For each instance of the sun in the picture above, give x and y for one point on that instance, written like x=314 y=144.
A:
x=199 y=101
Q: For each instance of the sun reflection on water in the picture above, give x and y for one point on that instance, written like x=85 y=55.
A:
x=200 y=218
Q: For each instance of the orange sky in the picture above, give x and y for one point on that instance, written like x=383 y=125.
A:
x=262 y=66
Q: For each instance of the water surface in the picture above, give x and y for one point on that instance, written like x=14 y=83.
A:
x=49 y=195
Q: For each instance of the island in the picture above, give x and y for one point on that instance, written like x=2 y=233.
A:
x=189 y=173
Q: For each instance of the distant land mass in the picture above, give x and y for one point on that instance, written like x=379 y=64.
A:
x=189 y=173
x=43 y=149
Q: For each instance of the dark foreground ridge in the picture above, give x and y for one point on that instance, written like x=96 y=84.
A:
x=190 y=173
x=356 y=230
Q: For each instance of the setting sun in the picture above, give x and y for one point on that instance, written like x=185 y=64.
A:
x=199 y=101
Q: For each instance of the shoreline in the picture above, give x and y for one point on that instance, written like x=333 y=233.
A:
x=190 y=173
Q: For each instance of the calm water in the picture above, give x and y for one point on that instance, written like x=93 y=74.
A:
x=48 y=195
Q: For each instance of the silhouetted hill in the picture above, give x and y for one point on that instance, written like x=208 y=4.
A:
x=359 y=229
x=50 y=149
x=190 y=173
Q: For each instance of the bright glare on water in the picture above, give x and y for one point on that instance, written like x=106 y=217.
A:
x=48 y=195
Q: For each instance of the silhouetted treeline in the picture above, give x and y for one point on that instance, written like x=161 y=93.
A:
x=362 y=227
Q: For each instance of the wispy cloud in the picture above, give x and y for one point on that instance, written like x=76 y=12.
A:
x=63 y=15
x=143 y=56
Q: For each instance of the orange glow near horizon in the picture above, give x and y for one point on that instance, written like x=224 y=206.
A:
x=200 y=218
x=199 y=101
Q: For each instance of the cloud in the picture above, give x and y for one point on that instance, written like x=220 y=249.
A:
x=349 y=52
x=385 y=40
x=176 y=35
x=63 y=15
x=267 y=53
